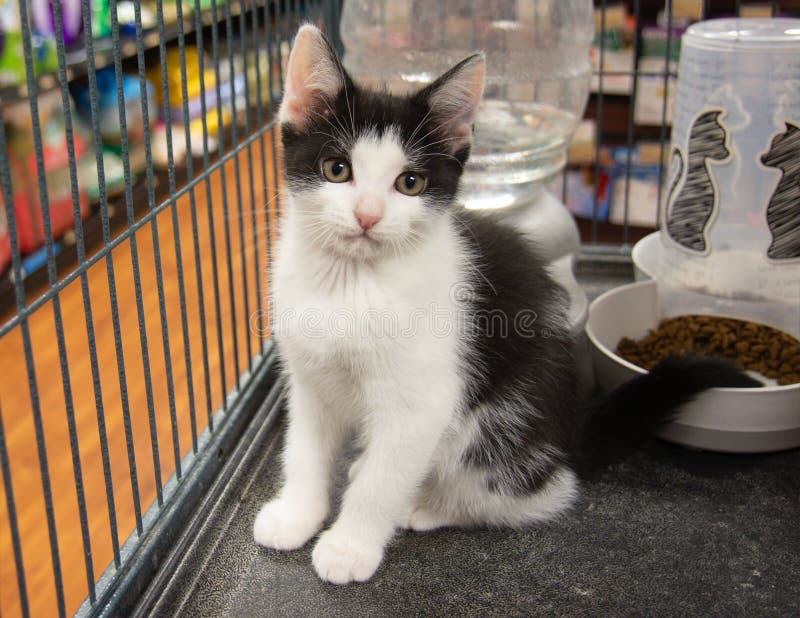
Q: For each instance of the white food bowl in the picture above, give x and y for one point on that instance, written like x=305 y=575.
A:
x=645 y=255
x=734 y=420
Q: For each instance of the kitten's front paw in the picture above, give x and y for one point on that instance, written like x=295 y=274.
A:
x=342 y=560
x=283 y=526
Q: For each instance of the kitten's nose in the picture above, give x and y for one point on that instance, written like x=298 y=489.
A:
x=367 y=220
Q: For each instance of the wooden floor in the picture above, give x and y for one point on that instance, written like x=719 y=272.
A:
x=238 y=325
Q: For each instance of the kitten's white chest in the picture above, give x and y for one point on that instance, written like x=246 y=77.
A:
x=341 y=310
x=352 y=316
x=357 y=317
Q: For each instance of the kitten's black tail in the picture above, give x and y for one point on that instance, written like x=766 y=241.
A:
x=618 y=421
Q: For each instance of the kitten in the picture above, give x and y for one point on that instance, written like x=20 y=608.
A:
x=435 y=335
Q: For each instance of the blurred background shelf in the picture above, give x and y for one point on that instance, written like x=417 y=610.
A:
x=271 y=19
x=36 y=279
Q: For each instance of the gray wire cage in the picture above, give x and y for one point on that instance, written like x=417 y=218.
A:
x=140 y=182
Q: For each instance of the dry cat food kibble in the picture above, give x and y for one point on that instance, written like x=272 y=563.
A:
x=755 y=347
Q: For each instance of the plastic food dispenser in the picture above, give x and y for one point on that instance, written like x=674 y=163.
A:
x=730 y=233
x=537 y=86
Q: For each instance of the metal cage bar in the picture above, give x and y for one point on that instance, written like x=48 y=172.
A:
x=33 y=387
x=22 y=586
x=600 y=117
x=663 y=136
x=162 y=307
x=206 y=198
x=134 y=266
x=225 y=211
x=59 y=328
x=230 y=145
x=238 y=179
x=631 y=130
x=87 y=306
x=209 y=210
x=195 y=235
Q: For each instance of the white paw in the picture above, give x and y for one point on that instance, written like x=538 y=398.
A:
x=340 y=561
x=284 y=526
x=422 y=519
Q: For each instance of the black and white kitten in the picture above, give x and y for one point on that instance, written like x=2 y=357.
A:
x=436 y=336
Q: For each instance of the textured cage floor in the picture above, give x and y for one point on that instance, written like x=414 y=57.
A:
x=668 y=532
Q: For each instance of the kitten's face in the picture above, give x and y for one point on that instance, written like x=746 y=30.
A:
x=370 y=174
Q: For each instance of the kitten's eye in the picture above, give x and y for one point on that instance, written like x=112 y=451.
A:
x=410 y=183
x=336 y=170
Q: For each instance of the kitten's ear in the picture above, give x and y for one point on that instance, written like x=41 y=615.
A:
x=314 y=77
x=454 y=99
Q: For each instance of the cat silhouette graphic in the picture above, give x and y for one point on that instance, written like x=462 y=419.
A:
x=692 y=206
x=783 y=211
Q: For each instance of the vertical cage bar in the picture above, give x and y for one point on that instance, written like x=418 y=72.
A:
x=84 y=282
x=247 y=130
x=327 y=9
x=11 y=506
x=279 y=38
x=237 y=172
x=334 y=15
x=774 y=8
x=225 y=211
x=631 y=119
x=266 y=199
x=110 y=276
x=313 y=9
x=143 y=342
x=663 y=135
x=273 y=105
x=599 y=121
x=295 y=15
x=272 y=213
x=210 y=210
x=258 y=45
x=30 y=367
x=284 y=34
x=201 y=301
x=151 y=204
x=176 y=234
x=57 y=317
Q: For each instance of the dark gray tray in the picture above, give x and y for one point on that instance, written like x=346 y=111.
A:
x=669 y=532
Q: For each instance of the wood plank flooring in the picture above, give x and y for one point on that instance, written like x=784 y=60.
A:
x=246 y=259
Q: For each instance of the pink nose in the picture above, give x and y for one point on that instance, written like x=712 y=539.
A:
x=367 y=220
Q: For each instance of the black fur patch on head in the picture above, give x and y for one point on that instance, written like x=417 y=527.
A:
x=357 y=112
